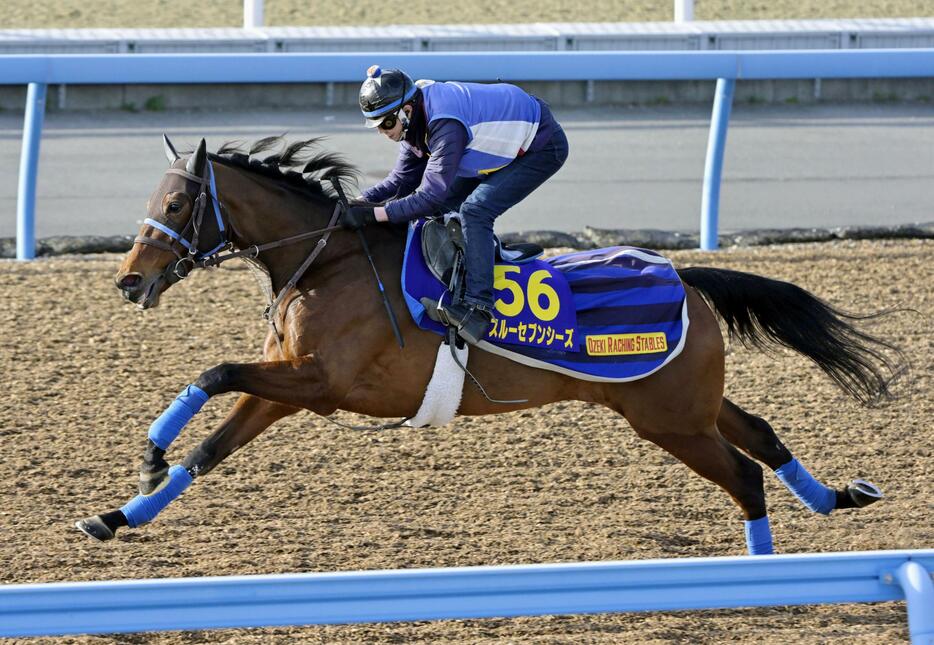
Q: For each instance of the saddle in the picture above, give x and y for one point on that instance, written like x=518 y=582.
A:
x=444 y=245
x=607 y=315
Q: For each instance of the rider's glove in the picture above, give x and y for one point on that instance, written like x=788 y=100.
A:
x=356 y=217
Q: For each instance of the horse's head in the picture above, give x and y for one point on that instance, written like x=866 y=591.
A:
x=184 y=224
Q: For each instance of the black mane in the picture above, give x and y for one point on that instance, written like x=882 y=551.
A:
x=300 y=165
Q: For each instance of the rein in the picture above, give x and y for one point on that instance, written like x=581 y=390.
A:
x=254 y=250
x=273 y=307
x=197 y=259
x=204 y=259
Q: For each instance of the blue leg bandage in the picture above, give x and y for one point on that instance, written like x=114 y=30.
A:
x=164 y=429
x=811 y=492
x=144 y=508
x=759 y=536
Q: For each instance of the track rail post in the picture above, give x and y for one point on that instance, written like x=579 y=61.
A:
x=713 y=167
x=28 y=171
x=919 y=596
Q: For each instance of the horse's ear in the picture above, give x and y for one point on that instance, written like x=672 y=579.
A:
x=196 y=161
x=170 y=152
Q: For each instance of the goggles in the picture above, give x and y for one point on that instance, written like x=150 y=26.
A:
x=389 y=122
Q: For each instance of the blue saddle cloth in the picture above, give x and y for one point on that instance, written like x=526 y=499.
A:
x=615 y=314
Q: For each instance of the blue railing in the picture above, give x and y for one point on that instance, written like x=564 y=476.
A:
x=724 y=66
x=53 y=609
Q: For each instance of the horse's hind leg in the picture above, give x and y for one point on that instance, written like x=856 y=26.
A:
x=755 y=436
x=249 y=417
x=712 y=457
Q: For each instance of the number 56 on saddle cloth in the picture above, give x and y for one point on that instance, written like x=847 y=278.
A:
x=613 y=315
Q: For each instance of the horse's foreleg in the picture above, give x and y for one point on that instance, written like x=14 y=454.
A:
x=163 y=432
x=249 y=417
x=712 y=457
x=158 y=484
x=290 y=384
x=755 y=436
x=299 y=383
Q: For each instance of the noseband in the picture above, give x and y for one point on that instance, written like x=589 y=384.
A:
x=197 y=259
x=207 y=192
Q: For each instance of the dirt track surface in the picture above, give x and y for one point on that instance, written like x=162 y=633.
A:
x=84 y=375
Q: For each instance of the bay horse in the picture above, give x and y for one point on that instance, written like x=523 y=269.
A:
x=331 y=347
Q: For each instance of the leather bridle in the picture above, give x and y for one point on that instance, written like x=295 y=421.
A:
x=184 y=244
x=198 y=259
x=194 y=258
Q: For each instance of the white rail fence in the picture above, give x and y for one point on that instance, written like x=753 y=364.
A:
x=720 y=35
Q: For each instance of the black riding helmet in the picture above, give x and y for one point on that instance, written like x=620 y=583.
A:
x=383 y=92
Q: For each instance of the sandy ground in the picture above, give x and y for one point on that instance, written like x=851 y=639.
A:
x=229 y=13
x=85 y=374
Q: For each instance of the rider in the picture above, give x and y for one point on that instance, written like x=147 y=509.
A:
x=470 y=148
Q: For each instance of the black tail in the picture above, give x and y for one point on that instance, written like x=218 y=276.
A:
x=763 y=312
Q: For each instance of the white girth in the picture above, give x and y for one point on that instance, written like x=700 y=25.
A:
x=443 y=395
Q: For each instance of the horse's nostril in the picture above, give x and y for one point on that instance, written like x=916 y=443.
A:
x=129 y=281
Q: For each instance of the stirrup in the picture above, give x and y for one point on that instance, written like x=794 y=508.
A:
x=436 y=313
x=475 y=325
x=462 y=317
x=431 y=309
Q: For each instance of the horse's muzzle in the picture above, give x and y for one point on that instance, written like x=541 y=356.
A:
x=129 y=281
x=138 y=290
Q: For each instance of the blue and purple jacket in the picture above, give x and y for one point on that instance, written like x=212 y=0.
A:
x=459 y=130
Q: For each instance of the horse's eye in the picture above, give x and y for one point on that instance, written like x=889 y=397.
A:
x=174 y=207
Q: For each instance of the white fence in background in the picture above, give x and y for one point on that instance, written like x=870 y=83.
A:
x=875 y=33
x=684 y=10
x=252 y=14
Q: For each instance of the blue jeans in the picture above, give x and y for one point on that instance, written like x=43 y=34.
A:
x=481 y=200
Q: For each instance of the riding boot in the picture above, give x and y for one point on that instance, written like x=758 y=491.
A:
x=471 y=321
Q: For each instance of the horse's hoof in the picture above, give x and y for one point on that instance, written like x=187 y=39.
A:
x=149 y=482
x=94 y=527
x=863 y=493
